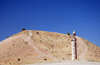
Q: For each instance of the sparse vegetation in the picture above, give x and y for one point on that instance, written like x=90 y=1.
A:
x=37 y=32
x=45 y=59
x=63 y=58
x=26 y=43
x=7 y=36
x=40 y=41
x=68 y=33
x=18 y=59
x=23 y=29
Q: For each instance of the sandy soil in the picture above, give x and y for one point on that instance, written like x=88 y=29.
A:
x=36 y=46
x=68 y=63
x=80 y=48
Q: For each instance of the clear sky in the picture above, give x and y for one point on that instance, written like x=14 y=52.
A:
x=62 y=16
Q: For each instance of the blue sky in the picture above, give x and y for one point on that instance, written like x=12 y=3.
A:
x=62 y=16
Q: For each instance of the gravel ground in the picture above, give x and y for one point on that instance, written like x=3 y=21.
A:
x=68 y=63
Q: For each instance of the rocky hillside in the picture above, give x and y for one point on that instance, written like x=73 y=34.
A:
x=31 y=46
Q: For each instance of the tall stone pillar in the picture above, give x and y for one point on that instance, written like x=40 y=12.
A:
x=74 y=49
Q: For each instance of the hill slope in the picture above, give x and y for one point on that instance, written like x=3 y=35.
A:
x=31 y=46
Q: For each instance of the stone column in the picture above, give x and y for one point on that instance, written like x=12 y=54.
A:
x=74 y=49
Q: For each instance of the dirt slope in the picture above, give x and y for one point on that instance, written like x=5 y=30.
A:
x=31 y=46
